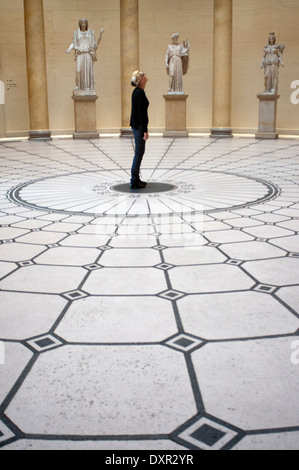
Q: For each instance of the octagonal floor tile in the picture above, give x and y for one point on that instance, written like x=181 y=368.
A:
x=6 y=268
x=42 y=238
x=7 y=233
x=125 y=281
x=19 y=251
x=130 y=257
x=268 y=231
x=64 y=256
x=182 y=240
x=235 y=315
x=252 y=251
x=64 y=227
x=252 y=384
x=290 y=295
x=44 y=279
x=211 y=278
x=276 y=272
x=290 y=244
x=189 y=256
x=118 y=320
x=290 y=224
x=270 y=441
x=16 y=357
x=140 y=241
x=26 y=315
x=228 y=236
x=82 y=240
x=101 y=390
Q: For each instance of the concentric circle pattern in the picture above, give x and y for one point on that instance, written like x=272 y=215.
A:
x=104 y=193
x=200 y=294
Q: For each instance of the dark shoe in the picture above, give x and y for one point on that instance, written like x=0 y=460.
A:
x=137 y=185
x=143 y=182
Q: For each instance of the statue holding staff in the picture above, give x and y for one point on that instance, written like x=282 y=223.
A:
x=271 y=61
x=177 y=63
x=85 y=46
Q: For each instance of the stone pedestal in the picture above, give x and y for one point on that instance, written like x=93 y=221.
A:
x=126 y=132
x=85 y=117
x=175 y=115
x=267 y=116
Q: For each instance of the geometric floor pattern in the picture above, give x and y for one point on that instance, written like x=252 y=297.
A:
x=149 y=321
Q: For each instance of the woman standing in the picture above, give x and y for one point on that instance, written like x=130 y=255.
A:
x=139 y=123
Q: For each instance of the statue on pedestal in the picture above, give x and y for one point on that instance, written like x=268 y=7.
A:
x=271 y=61
x=85 y=46
x=177 y=64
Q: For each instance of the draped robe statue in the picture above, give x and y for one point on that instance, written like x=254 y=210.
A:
x=177 y=64
x=271 y=61
x=85 y=46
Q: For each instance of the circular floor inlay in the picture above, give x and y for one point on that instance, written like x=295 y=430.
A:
x=104 y=193
x=150 y=188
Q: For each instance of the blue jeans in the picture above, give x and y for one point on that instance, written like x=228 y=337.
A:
x=139 y=152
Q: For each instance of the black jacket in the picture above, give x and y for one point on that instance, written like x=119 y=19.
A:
x=140 y=104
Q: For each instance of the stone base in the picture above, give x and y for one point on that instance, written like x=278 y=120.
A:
x=266 y=135
x=84 y=92
x=40 y=135
x=126 y=132
x=175 y=134
x=175 y=115
x=86 y=135
x=221 y=133
x=85 y=117
x=267 y=116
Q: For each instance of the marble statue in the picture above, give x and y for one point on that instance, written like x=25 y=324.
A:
x=271 y=61
x=85 y=46
x=177 y=64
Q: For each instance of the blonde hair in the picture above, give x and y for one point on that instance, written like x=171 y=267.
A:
x=136 y=78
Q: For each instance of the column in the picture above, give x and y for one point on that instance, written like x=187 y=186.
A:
x=222 y=69
x=129 y=31
x=36 y=70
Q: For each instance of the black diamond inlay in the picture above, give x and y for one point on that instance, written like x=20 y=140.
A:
x=160 y=247
x=208 y=435
x=172 y=295
x=184 y=342
x=77 y=294
x=44 y=343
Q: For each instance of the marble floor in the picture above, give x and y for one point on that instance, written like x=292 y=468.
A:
x=165 y=319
